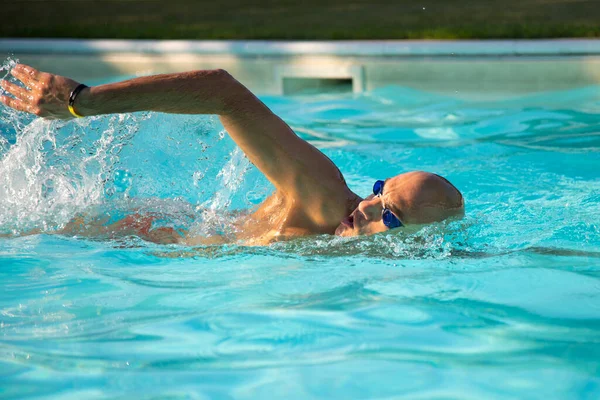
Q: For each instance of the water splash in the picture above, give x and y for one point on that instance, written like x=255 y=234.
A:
x=56 y=169
x=51 y=171
x=98 y=166
x=212 y=220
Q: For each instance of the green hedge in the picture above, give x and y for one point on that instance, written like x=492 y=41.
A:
x=300 y=19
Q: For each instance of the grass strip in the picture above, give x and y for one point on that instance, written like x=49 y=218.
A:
x=301 y=20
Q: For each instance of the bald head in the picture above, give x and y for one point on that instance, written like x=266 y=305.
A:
x=415 y=198
x=421 y=197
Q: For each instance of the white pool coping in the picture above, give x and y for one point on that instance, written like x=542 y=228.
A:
x=454 y=48
x=466 y=68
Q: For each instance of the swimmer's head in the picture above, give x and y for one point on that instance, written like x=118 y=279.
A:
x=414 y=198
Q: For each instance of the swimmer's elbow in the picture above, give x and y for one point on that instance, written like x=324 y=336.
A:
x=237 y=99
x=223 y=74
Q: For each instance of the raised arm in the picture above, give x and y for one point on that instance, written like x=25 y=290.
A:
x=195 y=92
x=294 y=166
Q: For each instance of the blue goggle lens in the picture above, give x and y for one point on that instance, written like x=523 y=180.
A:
x=389 y=219
x=378 y=188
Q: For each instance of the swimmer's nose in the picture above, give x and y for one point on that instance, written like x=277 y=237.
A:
x=370 y=208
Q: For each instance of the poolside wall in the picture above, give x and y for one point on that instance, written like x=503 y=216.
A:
x=463 y=68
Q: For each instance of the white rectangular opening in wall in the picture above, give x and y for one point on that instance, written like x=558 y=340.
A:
x=293 y=79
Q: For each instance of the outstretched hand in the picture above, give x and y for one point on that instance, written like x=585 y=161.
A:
x=45 y=95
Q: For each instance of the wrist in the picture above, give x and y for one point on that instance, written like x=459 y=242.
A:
x=83 y=103
x=72 y=97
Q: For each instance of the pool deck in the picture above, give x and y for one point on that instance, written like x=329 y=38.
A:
x=495 y=67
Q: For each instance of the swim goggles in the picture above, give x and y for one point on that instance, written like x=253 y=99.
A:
x=387 y=216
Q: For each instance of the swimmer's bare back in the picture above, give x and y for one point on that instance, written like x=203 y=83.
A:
x=311 y=195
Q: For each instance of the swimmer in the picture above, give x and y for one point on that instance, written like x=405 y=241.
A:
x=311 y=195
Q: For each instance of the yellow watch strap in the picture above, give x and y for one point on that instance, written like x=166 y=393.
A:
x=72 y=111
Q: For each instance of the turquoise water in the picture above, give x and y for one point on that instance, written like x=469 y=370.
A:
x=503 y=304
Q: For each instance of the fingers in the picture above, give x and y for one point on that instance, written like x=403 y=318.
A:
x=37 y=92
x=19 y=105
x=29 y=76
x=26 y=71
x=23 y=98
x=15 y=90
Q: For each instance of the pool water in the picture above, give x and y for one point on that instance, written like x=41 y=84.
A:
x=503 y=304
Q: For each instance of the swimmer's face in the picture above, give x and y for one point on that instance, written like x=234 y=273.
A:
x=415 y=198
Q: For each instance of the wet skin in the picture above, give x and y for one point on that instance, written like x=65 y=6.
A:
x=311 y=195
x=415 y=198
